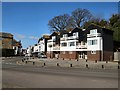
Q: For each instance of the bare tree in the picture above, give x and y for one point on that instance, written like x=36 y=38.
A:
x=59 y=23
x=80 y=16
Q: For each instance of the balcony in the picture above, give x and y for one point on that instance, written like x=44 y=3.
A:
x=81 y=46
x=94 y=35
x=56 y=47
x=63 y=39
x=72 y=37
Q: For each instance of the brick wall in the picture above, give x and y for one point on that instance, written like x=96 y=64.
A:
x=68 y=54
x=108 y=56
x=93 y=56
x=50 y=55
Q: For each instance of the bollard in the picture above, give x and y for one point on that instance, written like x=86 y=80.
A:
x=77 y=59
x=118 y=67
x=86 y=60
x=44 y=64
x=26 y=62
x=63 y=58
x=70 y=65
x=33 y=63
x=86 y=65
x=69 y=58
x=106 y=61
x=57 y=64
x=22 y=60
x=95 y=61
x=102 y=66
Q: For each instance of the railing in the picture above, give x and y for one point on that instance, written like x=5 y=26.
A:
x=56 y=48
x=66 y=38
x=79 y=46
x=72 y=37
x=96 y=35
x=63 y=38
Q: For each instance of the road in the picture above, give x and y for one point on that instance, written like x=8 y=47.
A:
x=25 y=76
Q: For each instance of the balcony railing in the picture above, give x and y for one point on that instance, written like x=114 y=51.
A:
x=92 y=35
x=56 y=47
x=66 y=38
x=72 y=37
x=79 y=46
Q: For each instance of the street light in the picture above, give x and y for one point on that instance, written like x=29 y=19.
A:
x=50 y=50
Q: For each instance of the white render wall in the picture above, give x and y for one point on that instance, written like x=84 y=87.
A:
x=98 y=46
x=41 y=45
x=71 y=48
x=48 y=48
x=68 y=48
x=36 y=49
x=16 y=49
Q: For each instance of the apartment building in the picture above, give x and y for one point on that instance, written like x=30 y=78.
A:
x=40 y=47
x=53 y=45
x=93 y=43
x=8 y=45
x=17 y=46
x=6 y=40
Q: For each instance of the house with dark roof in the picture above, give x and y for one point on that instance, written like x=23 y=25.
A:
x=93 y=43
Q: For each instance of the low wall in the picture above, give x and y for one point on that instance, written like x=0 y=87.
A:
x=116 y=56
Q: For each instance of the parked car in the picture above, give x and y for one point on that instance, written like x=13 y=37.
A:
x=41 y=55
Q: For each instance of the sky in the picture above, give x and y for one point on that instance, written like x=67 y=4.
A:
x=28 y=21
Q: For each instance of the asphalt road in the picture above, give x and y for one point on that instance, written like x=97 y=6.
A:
x=24 y=76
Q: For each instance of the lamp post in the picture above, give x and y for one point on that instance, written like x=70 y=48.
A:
x=50 y=46
x=29 y=52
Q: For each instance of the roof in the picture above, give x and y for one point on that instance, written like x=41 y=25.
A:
x=55 y=33
x=100 y=27
x=4 y=34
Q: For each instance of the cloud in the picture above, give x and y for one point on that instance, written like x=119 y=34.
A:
x=20 y=36
x=33 y=37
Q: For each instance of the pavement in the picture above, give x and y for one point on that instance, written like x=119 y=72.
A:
x=70 y=63
x=29 y=76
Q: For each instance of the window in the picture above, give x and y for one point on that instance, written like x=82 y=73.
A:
x=72 y=44
x=65 y=35
x=93 y=31
x=75 y=34
x=92 y=42
x=53 y=38
x=63 y=44
x=93 y=52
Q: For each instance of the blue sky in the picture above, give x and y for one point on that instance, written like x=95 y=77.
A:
x=27 y=21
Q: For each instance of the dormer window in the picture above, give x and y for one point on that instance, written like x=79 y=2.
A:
x=65 y=35
x=53 y=38
x=94 y=31
x=75 y=34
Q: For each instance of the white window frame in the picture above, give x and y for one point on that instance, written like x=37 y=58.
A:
x=70 y=44
x=64 y=35
x=94 y=31
x=62 y=45
x=92 y=42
